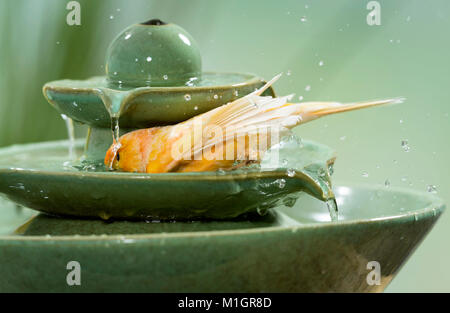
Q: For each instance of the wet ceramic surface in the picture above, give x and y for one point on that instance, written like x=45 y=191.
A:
x=153 y=54
x=40 y=176
x=290 y=249
x=141 y=107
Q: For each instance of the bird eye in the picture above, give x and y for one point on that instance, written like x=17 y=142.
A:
x=118 y=157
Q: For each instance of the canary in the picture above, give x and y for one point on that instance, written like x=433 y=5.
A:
x=231 y=135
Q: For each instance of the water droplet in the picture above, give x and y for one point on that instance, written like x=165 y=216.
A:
x=401 y=121
x=111 y=17
x=57 y=42
x=330 y=169
x=432 y=188
x=321 y=63
x=308 y=88
x=288 y=73
x=343 y=138
x=300 y=98
x=322 y=172
x=216 y=97
x=262 y=210
x=365 y=174
x=303 y=19
x=281 y=183
x=408 y=18
x=236 y=93
x=149 y=59
x=387 y=183
x=165 y=77
x=196 y=108
x=405 y=145
x=290 y=172
x=187 y=97
x=221 y=172
x=127 y=36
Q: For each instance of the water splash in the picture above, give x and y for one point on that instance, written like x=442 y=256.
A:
x=70 y=134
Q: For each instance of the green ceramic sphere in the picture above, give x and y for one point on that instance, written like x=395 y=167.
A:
x=153 y=54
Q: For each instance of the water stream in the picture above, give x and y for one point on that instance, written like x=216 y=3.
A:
x=115 y=103
x=70 y=134
x=333 y=209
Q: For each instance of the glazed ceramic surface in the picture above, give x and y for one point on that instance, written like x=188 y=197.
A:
x=84 y=100
x=290 y=249
x=40 y=176
x=153 y=54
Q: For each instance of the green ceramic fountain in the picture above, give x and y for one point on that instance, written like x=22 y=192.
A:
x=246 y=230
x=153 y=77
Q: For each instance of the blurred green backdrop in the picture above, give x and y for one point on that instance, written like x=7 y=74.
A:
x=326 y=50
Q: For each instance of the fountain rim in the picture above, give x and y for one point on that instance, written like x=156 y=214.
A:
x=252 y=79
x=435 y=207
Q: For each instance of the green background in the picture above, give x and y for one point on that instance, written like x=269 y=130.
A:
x=407 y=55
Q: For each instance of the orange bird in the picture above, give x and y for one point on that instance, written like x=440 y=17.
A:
x=241 y=130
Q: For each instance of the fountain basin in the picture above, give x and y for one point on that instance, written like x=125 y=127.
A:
x=292 y=249
x=143 y=107
x=93 y=101
x=39 y=176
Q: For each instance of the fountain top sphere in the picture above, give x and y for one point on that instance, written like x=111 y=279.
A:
x=154 y=54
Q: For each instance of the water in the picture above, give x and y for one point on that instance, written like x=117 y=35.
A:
x=115 y=130
x=115 y=103
x=405 y=145
x=333 y=209
x=432 y=188
x=70 y=134
x=312 y=163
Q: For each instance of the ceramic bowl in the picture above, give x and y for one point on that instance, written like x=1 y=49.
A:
x=82 y=100
x=40 y=177
x=291 y=249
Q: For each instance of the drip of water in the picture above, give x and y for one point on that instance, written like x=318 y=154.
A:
x=115 y=129
x=70 y=134
x=333 y=209
x=115 y=103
